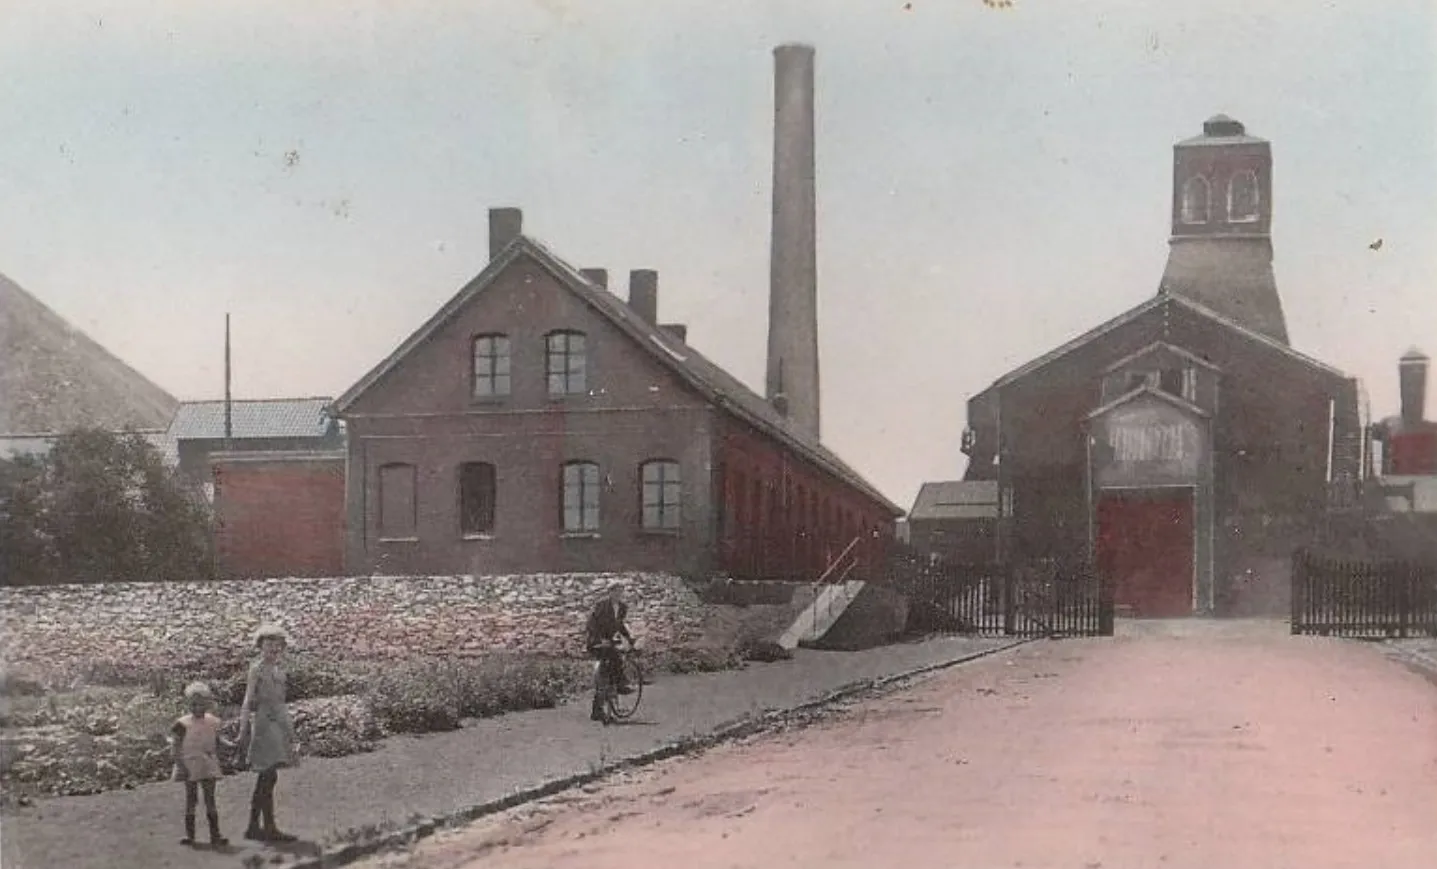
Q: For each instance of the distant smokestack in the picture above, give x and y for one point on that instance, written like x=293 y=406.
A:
x=505 y=225
x=644 y=294
x=793 y=274
x=596 y=276
x=1412 y=384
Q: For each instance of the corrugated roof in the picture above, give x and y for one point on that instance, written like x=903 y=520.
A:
x=55 y=378
x=260 y=418
x=725 y=390
x=957 y=499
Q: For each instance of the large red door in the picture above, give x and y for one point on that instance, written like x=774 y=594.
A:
x=1145 y=550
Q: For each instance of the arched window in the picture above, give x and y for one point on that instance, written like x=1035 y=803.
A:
x=580 y=498
x=662 y=495
x=1197 y=200
x=1242 y=197
x=490 y=366
x=476 y=498
x=566 y=363
x=398 y=510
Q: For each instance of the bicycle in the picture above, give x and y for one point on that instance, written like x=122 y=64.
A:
x=621 y=706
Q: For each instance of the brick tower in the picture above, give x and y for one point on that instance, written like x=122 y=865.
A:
x=1220 y=252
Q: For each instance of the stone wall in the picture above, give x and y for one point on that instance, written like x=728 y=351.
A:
x=373 y=618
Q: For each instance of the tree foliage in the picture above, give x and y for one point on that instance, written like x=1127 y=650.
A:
x=100 y=507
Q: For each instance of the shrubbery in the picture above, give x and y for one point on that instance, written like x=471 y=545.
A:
x=100 y=507
x=103 y=725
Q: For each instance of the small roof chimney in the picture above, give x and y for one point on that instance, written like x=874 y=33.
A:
x=1412 y=384
x=596 y=276
x=505 y=225
x=644 y=294
x=679 y=331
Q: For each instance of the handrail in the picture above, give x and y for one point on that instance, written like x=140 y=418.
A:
x=823 y=577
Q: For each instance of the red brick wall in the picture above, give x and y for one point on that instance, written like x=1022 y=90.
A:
x=1413 y=453
x=783 y=518
x=281 y=517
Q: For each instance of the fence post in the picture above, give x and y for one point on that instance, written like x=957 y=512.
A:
x=1296 y=583
x=1006 y=572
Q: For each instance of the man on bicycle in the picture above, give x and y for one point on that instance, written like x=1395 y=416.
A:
x=606 y=625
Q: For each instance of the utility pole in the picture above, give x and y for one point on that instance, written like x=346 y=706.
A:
x=229 y=403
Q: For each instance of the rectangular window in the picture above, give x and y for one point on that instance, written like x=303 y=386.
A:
x=476 y=498
x=662 y=496
x=566 y=365
x=1190 y=384
x=581 y=498
x=491 y=366
x=1171 y=380
x=398 y=519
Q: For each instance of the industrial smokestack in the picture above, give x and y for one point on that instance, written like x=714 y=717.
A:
x=793 y=276
x=1412 y=385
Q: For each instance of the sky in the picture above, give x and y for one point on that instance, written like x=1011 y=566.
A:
x=991 y=182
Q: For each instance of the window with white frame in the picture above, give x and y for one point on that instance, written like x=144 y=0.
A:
x=491 y=366
x=1242 y=197
x=565 y=363
x=581 y=498
x=1197 y=200
x=662 y=495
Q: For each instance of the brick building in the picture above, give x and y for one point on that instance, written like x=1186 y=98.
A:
x=1181 y=445
x=539 y=423
x=277 y=483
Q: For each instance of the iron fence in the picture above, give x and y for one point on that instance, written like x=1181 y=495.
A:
x=1360 y=598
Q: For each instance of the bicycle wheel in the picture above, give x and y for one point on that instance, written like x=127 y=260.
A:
x=625 y=705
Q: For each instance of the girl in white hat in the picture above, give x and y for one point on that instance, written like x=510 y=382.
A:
x=271 y=733
x=195 y=740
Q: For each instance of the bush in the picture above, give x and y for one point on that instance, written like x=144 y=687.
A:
x=336 y=726
x=421 y=697
x=100 y=507
x=696 y=659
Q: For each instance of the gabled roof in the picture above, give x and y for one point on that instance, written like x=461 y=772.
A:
x=1163 y=346
x=713 y=382
x=1148 y=389
x=260 y=418
x=55 y=378
x=1151 y=304
x=957 y=499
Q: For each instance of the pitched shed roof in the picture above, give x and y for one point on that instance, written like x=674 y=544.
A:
x=54 y=378
x=712 y=381
x=260 y=418
x=957 y=499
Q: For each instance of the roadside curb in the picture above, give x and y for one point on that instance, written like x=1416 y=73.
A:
x=723 y=733
x=1423 y=663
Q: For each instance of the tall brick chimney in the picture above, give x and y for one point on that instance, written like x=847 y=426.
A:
x=644 y=294
x=1412 y=384
x=792 y=379
x=505 y=225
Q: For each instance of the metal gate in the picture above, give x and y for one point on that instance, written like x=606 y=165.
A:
x=1039 y=599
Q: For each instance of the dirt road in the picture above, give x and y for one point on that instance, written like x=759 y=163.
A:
x=1178 y=745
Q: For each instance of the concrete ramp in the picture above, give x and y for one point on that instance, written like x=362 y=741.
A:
x=830 y=604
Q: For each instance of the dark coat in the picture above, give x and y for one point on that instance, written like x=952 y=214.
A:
x=605 y=621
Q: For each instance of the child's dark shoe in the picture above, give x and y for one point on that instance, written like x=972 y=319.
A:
x=277 y=836
x=187 y=842
x=254 y=834
x=219 y=842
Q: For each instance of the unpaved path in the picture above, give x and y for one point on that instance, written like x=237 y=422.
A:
x=1179 y=745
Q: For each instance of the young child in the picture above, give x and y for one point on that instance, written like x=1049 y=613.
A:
x=270 y=734
x=195 y=741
